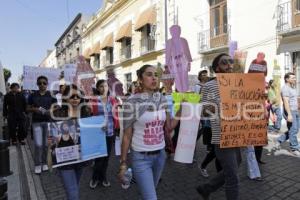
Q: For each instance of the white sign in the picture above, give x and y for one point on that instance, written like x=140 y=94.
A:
x=64 y=154
x=32 y=73
x=189 y=125
x=69 y=73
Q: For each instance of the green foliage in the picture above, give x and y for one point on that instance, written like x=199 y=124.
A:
x=7 y=74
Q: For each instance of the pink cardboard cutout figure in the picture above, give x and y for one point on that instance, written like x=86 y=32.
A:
x=178 y=58
x=114 y=84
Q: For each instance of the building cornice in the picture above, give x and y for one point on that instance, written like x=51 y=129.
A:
x=76 y=19
x=106 y=14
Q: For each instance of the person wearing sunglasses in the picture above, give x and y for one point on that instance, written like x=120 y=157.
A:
x=39 y=104
x=73 y=108
x=230 y=158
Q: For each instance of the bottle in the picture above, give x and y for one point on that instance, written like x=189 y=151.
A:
x=127 y=179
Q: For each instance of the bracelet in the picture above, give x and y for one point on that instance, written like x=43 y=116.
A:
x=123 y=166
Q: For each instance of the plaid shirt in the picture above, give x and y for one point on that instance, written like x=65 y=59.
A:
x=107 y=112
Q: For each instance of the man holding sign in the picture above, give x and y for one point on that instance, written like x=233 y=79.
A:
x=230 y=158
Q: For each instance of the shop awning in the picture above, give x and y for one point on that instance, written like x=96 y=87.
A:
x=124 y=32
x=87 y=52
x=146 y=17
x=108 y=42
x=96 y=48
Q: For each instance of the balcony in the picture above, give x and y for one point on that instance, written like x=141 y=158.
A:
x=214 y=40
x=125 y=53
x=288 y=18
x=148 y=44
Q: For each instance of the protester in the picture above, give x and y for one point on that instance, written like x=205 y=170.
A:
x=72 y=108
x=39 y=103
x=275 y=106
x=203 y=78
x=103 y=105
x=59 y=94
x=14 y=107
x=291 y=113
x=230 y=158
x=144 y=116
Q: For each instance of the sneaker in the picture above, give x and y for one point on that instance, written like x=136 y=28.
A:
x=106 y=183
x=93 y=184
x=296 y=153
x=204 y=172
x=276 y=145
x=38 y=169
x=203 y=193
x=45 y=168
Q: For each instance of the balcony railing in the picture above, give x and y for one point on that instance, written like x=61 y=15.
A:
x=284 y=19
x=213 y=38
x=148 y=44
x=125 y=53
x=288 y=16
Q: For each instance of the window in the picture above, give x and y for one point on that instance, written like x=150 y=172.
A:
x=218 y=17
x=128 y=79
x=287 y=63
x=109 y=55
x=298 y=5
x=126 y=48
x=97 y=61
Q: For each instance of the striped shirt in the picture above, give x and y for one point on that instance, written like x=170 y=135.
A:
x=211 y=96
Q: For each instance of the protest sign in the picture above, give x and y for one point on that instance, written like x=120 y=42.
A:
x=31 y=74
x=189 y=125
x=70 y=73
x=242 y=111
x=75 y=141
x=188 y=97
x=239 y=61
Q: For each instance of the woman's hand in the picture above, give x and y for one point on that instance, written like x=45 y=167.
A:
x=122 y=171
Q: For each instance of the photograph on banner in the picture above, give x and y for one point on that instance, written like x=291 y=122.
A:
x=69 y=73
x=73 y=141
x=243 y=120
x=30 y=75
x=239 y=61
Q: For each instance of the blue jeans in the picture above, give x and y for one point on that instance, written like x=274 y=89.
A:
x=291 y=134
x=40 y=142
x=70 y=179
x=147 y=170
x=278 y=113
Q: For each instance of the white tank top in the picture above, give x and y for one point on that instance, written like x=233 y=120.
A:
x=148 y=131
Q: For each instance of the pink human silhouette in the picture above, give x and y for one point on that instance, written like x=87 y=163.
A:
x=178 y=58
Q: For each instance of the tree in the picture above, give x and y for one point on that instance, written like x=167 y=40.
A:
x=7 y=74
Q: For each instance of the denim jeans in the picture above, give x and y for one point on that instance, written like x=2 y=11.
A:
x=277 y=111
x=230 y=159
x=291 y=134
x=71 y=179
x=147 y=170
x=40 y=142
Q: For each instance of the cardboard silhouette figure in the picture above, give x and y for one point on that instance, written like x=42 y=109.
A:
x=114 y=84
x=178 y=58
x=259 y=65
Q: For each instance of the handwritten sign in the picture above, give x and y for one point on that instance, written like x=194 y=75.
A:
x=31 y=74
x=242 y=111
x=189 y=125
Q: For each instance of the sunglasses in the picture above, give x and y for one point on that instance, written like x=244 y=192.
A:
x=75 y=96
x=228 y=61
x=42 y=83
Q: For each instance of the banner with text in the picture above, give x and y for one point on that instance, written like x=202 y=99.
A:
x=75 y=141
x=30 y=75
x=243 y=120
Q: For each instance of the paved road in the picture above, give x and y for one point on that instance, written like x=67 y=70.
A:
x=281 y=174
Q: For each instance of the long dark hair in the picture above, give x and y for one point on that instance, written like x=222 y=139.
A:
x=140 y=71
x=100 y=82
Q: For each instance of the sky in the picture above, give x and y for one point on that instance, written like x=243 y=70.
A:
x=30 y=27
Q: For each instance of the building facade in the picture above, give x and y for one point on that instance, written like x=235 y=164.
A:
x=50 y=61
x=68 y=46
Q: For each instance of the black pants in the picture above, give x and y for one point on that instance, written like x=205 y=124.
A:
x=101 y=164
x=15 y=122
x=258 y=152
x=210 y=157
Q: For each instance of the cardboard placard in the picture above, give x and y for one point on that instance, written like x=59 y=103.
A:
x=242 y=110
